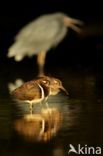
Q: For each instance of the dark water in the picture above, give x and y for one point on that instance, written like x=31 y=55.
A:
x=82 y=115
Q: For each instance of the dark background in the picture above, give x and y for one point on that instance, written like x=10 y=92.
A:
x=76 y=51
x=77 y=61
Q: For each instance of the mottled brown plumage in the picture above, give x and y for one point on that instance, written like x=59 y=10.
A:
x=37 y=90
x=27 y=91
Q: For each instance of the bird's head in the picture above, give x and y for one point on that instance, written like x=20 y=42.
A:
x=54 y=84
x=72 y=23
x=69 y=21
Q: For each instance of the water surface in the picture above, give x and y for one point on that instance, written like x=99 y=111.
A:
x=82 y=115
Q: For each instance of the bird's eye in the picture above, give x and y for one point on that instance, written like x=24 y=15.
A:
x=57 y=82
x=46 y=82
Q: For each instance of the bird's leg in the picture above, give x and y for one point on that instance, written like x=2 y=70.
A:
x=31 y=109
x=45 y=101
x=41 y=62
x=47 y=106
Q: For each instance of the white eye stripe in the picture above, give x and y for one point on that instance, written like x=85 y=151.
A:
x=55 y=81
x=44 y=81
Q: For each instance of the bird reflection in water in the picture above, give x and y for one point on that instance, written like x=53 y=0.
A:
x=39 y=127
x=44 y=124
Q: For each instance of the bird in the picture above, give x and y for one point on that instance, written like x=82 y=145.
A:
x=40 y=35
x=38 y=90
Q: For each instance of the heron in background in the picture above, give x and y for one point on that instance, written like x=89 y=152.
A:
x=37 y=37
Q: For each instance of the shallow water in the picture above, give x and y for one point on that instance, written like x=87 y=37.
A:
x=82 y=115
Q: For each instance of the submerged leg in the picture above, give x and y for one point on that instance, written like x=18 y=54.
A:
x=41 y=62
x=31 y=108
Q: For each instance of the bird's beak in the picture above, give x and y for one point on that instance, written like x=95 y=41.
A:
x=62 y=88
x=73 y=23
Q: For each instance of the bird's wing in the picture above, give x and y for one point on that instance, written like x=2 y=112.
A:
x=43 y=29
x=28 y=91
